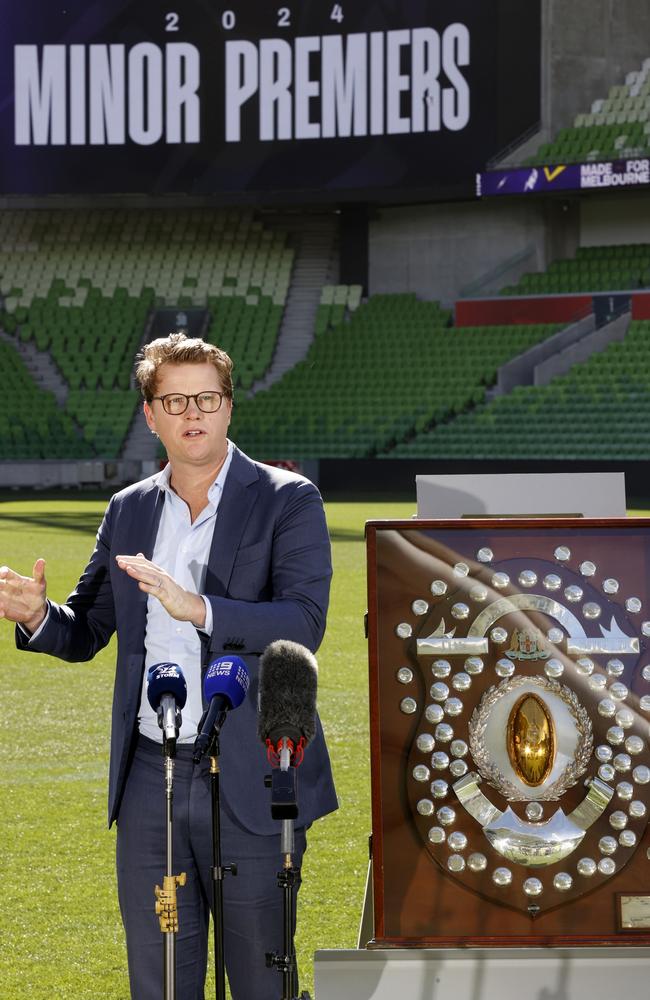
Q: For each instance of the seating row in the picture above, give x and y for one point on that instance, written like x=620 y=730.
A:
x=616 y=127
x=599 y=409
x=357 y=393
x=593 y=269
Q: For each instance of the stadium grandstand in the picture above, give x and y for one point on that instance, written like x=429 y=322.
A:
x=440 y=331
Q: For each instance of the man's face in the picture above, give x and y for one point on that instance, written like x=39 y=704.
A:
x=193 y=438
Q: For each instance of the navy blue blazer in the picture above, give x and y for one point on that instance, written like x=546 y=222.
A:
x=267 y=578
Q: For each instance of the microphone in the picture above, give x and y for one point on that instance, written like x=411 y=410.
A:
x=286 y=720
x=224 y=687
x=167 y=694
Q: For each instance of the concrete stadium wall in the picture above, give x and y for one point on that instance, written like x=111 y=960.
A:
x=615 y=220
x=446 y=251
x=523 y=369
x=435 y=250
x=588 y=46
x=580 y=350
x=63 y=474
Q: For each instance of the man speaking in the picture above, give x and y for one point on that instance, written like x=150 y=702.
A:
x=216 y=554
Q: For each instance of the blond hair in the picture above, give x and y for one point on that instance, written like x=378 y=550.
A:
x=177 y=349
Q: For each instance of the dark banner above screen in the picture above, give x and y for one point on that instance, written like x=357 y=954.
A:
x=242 y=98
x=565 y=177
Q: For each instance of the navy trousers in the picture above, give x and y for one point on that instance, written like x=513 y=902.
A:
x=253 y=902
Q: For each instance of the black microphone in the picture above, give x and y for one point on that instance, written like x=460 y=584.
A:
x=224 y=688
x=167 y=694
x=286 y=720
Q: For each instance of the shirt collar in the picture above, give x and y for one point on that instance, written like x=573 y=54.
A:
x=162 y=480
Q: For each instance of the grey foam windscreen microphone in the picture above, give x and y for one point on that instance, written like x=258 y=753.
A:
x=287 y=693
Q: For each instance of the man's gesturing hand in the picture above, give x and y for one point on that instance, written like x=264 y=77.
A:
x=181 y=604
x=22 y=598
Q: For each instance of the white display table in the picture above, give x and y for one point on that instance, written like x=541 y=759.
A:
x=484 y=974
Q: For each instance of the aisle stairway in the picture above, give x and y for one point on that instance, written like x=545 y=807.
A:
x=315 y=239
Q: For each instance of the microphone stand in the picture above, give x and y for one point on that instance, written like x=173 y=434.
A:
x=166 y=907
x=284 y=806
x=218 y=871
x=288 y=877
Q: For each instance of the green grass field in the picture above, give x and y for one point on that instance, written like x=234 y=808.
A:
x=59 y=922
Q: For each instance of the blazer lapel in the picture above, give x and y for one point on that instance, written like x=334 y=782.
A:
x=149 y=529
x=143 y=531
x=142 y=520
x=239 y=498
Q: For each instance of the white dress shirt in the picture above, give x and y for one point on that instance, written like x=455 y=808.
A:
x=182 y=549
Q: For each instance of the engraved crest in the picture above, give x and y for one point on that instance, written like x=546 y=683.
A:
x=527 y=645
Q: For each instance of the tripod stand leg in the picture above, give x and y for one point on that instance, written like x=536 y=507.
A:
x=166 y=907
x=217 y=884
x=290 y=976
x=169 y=972
x=288 y=881
x=219 y=871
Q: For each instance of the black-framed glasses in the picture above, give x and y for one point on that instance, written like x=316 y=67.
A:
x=176 y=403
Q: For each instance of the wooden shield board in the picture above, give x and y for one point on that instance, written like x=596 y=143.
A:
x=510 y=731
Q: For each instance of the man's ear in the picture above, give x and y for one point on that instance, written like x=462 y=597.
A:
x=149 y=417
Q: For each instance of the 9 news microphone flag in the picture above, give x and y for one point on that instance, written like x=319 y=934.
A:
x=224 y=688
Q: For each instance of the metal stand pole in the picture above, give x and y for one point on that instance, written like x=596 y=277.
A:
x=287 y=879
x=218 y=873
x=283 y=783
x=166 y=907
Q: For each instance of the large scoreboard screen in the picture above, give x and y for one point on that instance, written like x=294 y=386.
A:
x=271 y=100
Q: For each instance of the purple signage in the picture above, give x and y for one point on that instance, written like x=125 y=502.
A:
x=565 y=177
